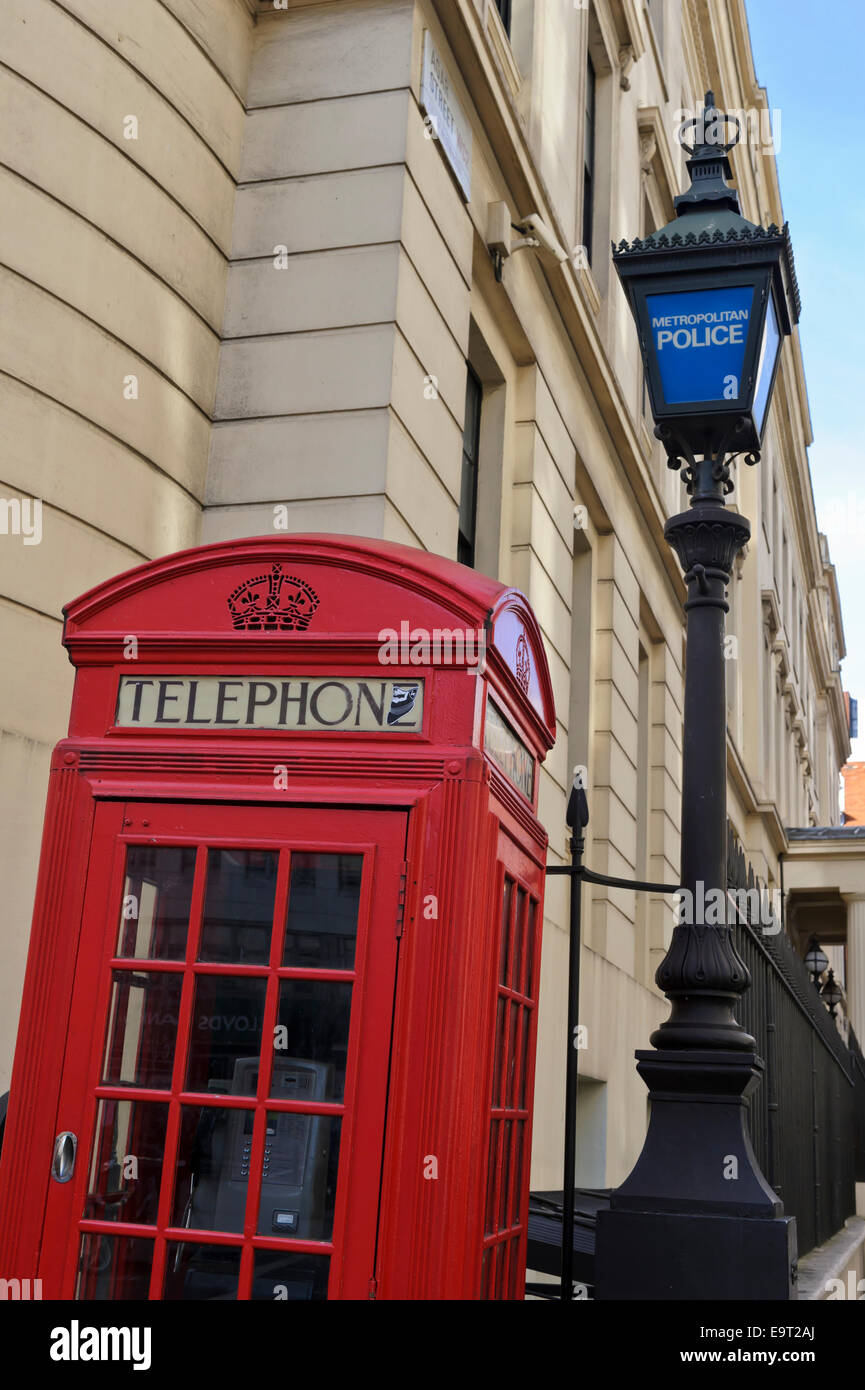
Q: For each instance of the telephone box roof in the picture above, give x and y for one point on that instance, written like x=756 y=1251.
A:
x=181 y=599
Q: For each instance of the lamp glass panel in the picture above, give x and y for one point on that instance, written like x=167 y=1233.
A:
x=698 y=341
x=766 y=366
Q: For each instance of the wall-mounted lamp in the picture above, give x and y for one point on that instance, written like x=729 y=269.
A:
x=816 y=960
x=534 y=233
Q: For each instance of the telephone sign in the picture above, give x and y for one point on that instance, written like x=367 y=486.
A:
x=321 y=703
x=700 y=338
x=278 y=1028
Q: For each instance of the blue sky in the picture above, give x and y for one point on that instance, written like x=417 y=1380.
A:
x=810 y=66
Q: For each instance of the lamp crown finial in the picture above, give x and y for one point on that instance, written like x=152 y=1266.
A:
x=708 y=162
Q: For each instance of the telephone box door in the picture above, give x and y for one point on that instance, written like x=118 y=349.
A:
x=235 y=963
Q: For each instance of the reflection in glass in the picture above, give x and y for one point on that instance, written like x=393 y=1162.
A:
x=238 y=906
x=205 y=1272
x=314 y=1015
x=115 y=1267
x=524 y=1059
x=486 y=1270
x=323 y=904
x=498 y=1072
x=504 y=955
x=492 y=1167
x=298 y=1181
x=517 y=1184
x=225 y=1034
x=154 y=914
x=142 y=1028
x=530 y=949
x=505 y=1177
x=519 y=939
x=212 y=1168
x=283 y=1276
x=126 y=1161
x=513 y=1043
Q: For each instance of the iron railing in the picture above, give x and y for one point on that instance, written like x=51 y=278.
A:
x=807 y=1117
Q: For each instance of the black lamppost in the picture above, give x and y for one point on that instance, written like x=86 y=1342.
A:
x=712 y=295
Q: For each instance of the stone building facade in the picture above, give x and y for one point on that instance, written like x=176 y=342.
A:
x=244 y=288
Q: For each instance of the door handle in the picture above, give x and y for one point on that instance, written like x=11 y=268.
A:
x=63 y=1162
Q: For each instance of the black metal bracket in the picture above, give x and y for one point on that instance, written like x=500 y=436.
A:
x=580 y=871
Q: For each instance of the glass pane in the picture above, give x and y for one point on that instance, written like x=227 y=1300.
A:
x=530 y=949
x=516 y=1185
x=499 y=1270
x=513 y=1043
x=524 y=1059
x=115 y=1267
x=323 y=904
x=154 y=914
x=506 y=1173
x=225 y=1036
x=516 y=1276
x=298 y=1182
x=126 y=1162
x=142 y=1028
x=519 y=939
x=501 y=1039
x=490 y=1216
x=238 y=906
x=212 y=1168
x=486 y=1270
x=504 y=960
x=280 y=1276
x=207 y=1272
x=312 y=1031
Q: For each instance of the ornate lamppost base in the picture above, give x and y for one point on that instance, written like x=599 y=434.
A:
x=709 y=1228
x=646 y=1256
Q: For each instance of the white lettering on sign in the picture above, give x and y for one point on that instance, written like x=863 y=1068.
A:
x=701 y=330
x=314 y=703
x=449 y=126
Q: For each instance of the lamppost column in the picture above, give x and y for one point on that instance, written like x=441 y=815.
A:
x=702 y=973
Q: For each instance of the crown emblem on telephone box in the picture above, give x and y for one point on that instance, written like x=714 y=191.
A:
x=274 y=602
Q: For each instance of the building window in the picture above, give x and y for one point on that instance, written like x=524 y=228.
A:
x=589 y=159
x=504 y=9
x=469 y=481
x=656 y=14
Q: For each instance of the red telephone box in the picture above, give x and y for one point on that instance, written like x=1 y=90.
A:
x=278 y=1029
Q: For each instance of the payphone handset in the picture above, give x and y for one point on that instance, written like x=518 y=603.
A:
x=296 y=1156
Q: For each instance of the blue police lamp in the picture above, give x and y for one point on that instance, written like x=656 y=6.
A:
x=713 y=295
